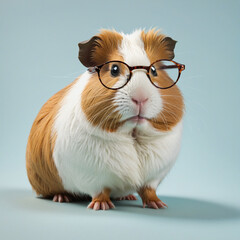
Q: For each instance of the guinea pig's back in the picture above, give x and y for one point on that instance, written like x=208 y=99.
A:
x=41 y=169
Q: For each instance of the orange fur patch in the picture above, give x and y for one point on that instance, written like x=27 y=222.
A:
x=173 y=103
x=104 y=196
x=41 y=170
x=155 y=47
x=97 y=101
x=148 y=194
x=107 y=47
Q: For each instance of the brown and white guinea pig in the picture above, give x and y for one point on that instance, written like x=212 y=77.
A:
x=112 y=138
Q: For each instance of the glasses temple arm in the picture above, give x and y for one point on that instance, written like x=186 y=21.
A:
x=93 y=69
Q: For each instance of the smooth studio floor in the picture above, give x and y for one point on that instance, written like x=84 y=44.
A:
x=23 y=216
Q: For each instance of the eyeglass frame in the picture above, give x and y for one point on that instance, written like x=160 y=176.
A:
x=181 y=67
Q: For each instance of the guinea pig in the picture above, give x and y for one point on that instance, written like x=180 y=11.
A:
x=114 y=131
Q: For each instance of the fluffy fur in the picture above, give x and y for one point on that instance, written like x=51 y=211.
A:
x=83 y=142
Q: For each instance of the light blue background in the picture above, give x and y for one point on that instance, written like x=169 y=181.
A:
x=38 y=57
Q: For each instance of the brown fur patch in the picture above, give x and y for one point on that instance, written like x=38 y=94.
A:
x=155 y=46
x=41 y=170
x=148 y=194
x=108 y=44
x=173 y=109
x=173 y=104
x=104 y=196
x=97 y=101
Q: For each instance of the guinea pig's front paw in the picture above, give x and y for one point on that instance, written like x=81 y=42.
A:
x=150 y=198
x=104 y=205
x=155 y=204
x=102 y=201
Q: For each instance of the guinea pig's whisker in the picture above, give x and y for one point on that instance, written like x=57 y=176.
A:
x=112 y=120
x=98 y=114
x=122 y=106
x=164 y=119
x=173 y=106
x=98 y=103
x=101 y=124
x=121 y=99
x=171 y=113
x=104 y=117
x=162 y=116
x=171 y=96
x=170 y=109
x=95 y=96
x=95 y=106
x=64 y=76
x=107 y=109
x=123 y=92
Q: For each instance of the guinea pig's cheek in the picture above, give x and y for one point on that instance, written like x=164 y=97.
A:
x=98 y=107
x=155 y=105
x=172 y=109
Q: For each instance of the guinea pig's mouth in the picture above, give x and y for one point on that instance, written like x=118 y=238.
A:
x=137 y=119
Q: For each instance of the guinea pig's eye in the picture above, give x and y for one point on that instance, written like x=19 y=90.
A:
x=115 y=70
x=153 y=71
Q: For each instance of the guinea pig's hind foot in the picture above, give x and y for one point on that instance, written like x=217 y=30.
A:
x=62 y=198
x=102 y=201
x=128 y=197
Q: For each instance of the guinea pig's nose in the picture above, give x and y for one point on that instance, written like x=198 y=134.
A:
x=139 y=101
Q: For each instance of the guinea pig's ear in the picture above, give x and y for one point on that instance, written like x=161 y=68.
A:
x=86 y=50
x=169 y=45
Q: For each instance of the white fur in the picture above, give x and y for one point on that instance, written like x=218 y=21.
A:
x=139 y=86
x=89 y=159
x=84 y=157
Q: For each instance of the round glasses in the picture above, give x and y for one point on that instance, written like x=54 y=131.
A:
x=162 y=74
